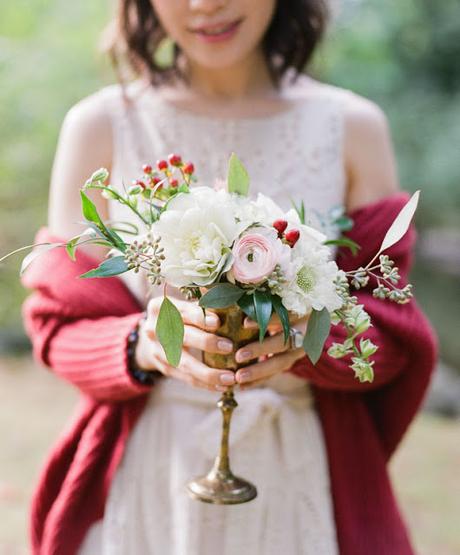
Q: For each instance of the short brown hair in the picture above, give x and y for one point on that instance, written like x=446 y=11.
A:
x=294 y=32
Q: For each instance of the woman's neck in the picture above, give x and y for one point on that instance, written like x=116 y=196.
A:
x=247 y=79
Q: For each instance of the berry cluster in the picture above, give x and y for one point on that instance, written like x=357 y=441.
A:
x=164 y=176
x=291 y=237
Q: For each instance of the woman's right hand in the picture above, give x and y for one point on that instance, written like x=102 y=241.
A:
x=198 y=334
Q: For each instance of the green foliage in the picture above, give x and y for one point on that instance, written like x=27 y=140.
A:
x=263 y=310
x=237 y=177
x=318 y=328
x=109 y=268
x=170 y=331
x=222 y=295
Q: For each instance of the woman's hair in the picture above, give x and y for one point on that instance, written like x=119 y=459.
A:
x=294 y=32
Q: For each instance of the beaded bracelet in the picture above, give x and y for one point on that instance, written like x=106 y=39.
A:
x=143 y=377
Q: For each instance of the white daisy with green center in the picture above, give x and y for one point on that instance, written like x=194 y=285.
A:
x=312 y=285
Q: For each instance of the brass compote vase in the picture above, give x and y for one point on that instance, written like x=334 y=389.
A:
x=220 y=486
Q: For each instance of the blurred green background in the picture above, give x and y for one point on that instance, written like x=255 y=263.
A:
x=403 y=54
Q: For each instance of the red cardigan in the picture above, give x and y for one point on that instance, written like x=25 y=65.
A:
x=79 y=329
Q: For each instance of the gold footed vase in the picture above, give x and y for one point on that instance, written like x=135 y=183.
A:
x=220 y=486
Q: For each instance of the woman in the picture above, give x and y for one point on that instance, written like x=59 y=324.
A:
x=313 y=439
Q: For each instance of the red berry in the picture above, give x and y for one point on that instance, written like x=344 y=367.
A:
x=175 y=160
x=140 y=183
x=162 y=165
x=292 y=236
x=174 y=183
x=147 y=168
x=189 y=168
x=280 y=226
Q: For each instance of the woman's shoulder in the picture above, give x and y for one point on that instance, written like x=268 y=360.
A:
x=357 y=109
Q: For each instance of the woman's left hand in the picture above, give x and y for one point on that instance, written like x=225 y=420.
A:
x=277 y=356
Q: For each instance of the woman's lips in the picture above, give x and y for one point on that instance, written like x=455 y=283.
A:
x=217 y=33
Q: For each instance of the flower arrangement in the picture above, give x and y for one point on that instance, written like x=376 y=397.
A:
x=222 y=248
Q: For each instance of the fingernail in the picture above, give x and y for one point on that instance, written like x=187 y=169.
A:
x=227 y=379
x=211 y=321
x=226 y=346
x=244 y=376
x=243 y=355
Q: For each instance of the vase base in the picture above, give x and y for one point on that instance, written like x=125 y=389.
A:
x=221 y=490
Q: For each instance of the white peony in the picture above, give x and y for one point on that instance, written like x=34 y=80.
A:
x=312 y=285
x=197 y=231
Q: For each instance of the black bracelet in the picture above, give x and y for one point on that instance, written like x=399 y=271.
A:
x=143 y=377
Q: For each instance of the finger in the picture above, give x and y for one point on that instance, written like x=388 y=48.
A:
x=211 y=376
x=273 y=344
x=189 y=372
x=194 y=382
x=269 y=367
x=209 y=342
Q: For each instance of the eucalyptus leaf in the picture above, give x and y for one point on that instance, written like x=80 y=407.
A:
x=283 y=315
x=319 y=325
x=264 y=308
x=170 y=331
x=237 y=177
x=37 y=251
x=110 y=267
x=222 y=295
x=246 y=303
x=401 y=223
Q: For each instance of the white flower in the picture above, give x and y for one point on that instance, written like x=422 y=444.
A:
x=312 y=285
x=262 y=210
x=197 y=231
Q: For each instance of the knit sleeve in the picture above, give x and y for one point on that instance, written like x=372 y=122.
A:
x=90 y=353
x=400 y=331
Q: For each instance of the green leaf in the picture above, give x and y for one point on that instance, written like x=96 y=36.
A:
x=91 y=214
x=345 y=242
x=222 y=295
x=264 y=308
x=170 y=331
x=90 y=211
x=344 y=223
x=283 y=315
x=71 y=247
x=300 y=211
x=319 y=325
x=237 y=177
x=246 y=303
x=110 y=267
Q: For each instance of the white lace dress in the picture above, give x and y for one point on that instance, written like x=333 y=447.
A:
x=276 y=437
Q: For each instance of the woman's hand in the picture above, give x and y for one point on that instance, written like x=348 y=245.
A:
x=275 y=356
x=197 y=334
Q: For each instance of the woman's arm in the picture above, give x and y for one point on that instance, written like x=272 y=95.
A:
x=85 y=144
x=368 y=154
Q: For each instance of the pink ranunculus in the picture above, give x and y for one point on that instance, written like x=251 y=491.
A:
x=255 y=256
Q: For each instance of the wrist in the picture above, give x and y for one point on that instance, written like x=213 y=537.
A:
x=140 y=375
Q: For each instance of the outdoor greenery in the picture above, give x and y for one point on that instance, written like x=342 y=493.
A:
x=403 y=54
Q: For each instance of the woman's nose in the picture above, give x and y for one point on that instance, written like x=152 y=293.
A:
x=207 y=6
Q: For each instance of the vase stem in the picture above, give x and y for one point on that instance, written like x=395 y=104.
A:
x=227 y=405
